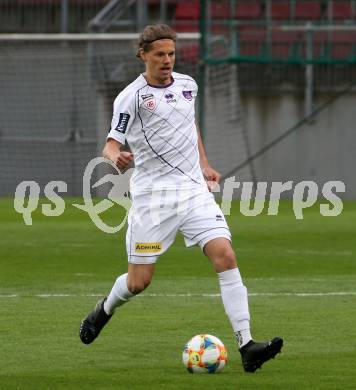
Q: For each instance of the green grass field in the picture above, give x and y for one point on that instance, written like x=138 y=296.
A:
x=301 y=277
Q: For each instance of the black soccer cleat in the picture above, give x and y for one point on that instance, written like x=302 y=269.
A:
x=255 y=354
x=93 y=323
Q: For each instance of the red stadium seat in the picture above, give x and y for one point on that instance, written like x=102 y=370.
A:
x=248 y=10
x=308 y=10
x=187 y=11
x=220 y=10
x=342 y=51
x=284 y=43
x=320 y=46
x=343 y=44
x=340 y=10
x=286 y=36
x=344 y=36
x=280 y=10
x=220 y=29
x=58 y=2
x=188 y=54
x=251 y=42
x=186 y=27
x=158 y=2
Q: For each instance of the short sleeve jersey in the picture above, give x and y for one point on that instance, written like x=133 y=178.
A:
x=158 y=124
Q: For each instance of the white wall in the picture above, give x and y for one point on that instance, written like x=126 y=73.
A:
x=321 y=151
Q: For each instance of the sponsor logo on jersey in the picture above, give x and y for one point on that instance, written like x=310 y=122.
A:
x=123 y=122
x=219 y=217
x=148 y=96
x=188 y=95
x=148 y=247
x=170 y=98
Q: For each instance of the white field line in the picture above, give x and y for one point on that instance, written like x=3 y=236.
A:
x=300 y=252
x=187 y=295
x=316 y=252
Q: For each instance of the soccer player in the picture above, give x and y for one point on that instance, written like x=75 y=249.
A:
x=155 y=115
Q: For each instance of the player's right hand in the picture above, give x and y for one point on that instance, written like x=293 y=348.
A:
x=123 y=160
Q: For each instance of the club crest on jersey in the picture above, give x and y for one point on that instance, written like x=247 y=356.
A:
x=188 y=95
x=150 y=103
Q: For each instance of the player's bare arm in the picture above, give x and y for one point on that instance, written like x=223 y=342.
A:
x=112 y=151
x=210 y=174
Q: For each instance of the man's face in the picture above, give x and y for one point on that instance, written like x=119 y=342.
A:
x=160 y=60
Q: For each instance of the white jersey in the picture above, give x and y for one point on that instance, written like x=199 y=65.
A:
x=158 y=123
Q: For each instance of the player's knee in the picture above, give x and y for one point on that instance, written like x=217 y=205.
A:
x=136 y=286
x=229 y=260
x=225 y=260
x=228 y=255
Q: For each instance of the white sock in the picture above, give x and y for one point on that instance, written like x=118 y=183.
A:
x=119 y=295
x=234 y=297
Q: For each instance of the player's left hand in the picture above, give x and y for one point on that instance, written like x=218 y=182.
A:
x=211 y=176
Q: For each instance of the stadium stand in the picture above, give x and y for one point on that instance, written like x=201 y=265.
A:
x=250 y=10
x=252 y=42
x=285 y=44
x=340 y=10
x=187 y=10
x=187 y=16
x=280 y=10
x=308 y=10
x=344 y=44
x=83 y=76
x=258 y=36
x=42 y=16
x=256 y=22
x=220 y=10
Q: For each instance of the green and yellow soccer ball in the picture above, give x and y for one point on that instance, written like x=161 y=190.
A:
x=204 y=353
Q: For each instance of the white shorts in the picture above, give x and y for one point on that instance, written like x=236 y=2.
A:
x=155 y=220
